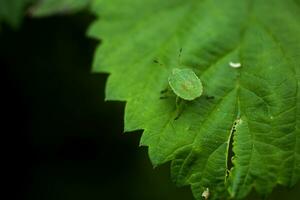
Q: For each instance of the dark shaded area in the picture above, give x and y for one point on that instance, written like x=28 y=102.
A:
x=61 y=140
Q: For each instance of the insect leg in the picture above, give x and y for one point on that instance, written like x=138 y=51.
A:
x=210 y=97
x=177 y=102
x=164 y=97
x=179 y=107
x=165 y=94
x=157 y=62
x=164 y=91
x=179 y=57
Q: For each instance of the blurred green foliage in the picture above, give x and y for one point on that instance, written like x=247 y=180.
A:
x=12 y=11
x=44 y=8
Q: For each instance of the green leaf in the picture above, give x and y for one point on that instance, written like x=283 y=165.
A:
x=51 y=7
x=12 y=11
x=255 y=106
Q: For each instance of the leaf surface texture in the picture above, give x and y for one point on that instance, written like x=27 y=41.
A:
x=256 y=106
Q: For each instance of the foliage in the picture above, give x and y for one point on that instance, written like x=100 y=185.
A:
x=248 y=135
x=11 y=11
x=50 y=7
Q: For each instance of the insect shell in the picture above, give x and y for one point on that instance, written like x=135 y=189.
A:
x=185 y=84
x=235 y=65
x=206 y=194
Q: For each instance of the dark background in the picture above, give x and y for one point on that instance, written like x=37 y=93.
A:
x=60 y=140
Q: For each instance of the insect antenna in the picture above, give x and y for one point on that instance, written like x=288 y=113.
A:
x=179 y=56
x=164 y=91
x=157 y=62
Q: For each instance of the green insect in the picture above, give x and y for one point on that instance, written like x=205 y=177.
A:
x=185 y=84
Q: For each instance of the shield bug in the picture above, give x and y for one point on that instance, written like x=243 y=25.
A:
x=185 y=84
